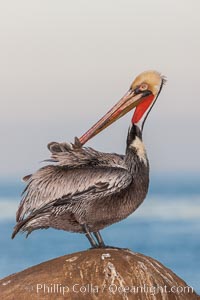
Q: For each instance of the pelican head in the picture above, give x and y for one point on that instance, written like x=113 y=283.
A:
x=142 y=95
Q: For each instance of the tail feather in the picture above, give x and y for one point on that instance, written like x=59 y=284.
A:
x=17 y=228
x=20 y=225
x=23 y=224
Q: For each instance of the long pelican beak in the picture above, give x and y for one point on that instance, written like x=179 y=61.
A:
x=130 y=100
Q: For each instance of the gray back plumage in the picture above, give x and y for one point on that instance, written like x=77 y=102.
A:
x=74 y=172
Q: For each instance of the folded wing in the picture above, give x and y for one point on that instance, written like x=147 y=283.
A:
x=77 y=174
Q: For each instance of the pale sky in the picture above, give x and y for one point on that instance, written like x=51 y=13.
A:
x=63 y=64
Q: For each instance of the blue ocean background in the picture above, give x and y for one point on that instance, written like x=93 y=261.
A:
x=166 y=227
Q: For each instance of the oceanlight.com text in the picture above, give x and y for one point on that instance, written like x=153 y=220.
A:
x=42 y=288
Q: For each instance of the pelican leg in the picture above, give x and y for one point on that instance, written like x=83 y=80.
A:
x=89 y=236
x=99 y=239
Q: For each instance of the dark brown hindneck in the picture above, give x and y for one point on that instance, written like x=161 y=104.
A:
x=135 y=158
x=133 y=132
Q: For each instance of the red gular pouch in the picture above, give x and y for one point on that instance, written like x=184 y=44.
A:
x=142 y=108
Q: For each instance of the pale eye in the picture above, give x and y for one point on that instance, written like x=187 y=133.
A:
x=144 y=87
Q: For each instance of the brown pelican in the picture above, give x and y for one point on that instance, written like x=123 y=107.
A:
x=85 y=190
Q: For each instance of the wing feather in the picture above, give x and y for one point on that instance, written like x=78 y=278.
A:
x=113 y=181
x=65 y=154
x=61 y=183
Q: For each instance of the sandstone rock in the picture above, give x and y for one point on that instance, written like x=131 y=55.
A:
x=97 y=274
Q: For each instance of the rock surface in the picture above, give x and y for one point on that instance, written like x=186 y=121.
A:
x=97 y=274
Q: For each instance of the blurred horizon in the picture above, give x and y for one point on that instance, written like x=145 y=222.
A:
x=160 y=183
